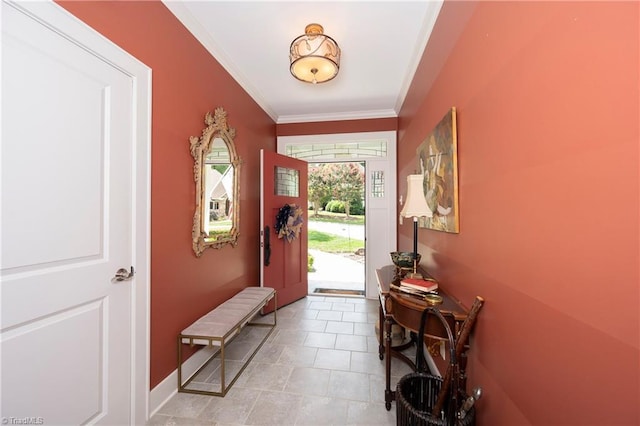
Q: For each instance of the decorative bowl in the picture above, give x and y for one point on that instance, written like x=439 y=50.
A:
x=403 y=259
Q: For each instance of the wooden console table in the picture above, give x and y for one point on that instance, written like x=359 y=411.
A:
x=406 y=310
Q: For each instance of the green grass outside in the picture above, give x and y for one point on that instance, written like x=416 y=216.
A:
x=335 y=218
x=333 y=243
x=224 y=224
x=330 y=243
x=218 y=227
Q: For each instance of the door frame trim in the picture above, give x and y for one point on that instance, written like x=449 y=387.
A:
x=371 y=290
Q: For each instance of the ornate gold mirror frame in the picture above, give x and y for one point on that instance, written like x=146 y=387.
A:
x=227 y=202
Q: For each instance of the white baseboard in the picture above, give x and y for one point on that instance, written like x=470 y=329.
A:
x=163 y=392
x=169 y=386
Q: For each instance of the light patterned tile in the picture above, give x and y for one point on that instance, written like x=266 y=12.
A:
x=333 y=359
x=401 y=368
x=299 y=356
x=242 y=379
x=159 y=420
x=308 y=381
x=269 y=352
x=368 y=307
x=185 y=405
x=377 y=387
x=330 y=315
x=364 y=329
x=312 y=325
x=373 y=344
x=343 y=307
x=351 y=342
x=320 y=340
x=268 y=376
x=186 y=421
x=360 y=301
x=275 y=408
x=349 y=385
x=339 y=327
x=290 y=337
x=233 y=408
x=321 y=306
x=355 y=317
x=308 y=314
x=365 y=308
x=367 y=362
x=288 y=324
x=239 y=350
x=322 y=411
x=287 y=312
x=366 y=414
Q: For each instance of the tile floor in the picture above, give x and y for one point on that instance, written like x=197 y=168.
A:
x=320 y=366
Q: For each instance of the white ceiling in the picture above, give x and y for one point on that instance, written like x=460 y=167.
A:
x=381 y=42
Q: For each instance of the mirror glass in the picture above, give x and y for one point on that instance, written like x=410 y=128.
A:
x=216 y=174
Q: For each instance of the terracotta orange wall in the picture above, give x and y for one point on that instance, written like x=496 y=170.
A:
x=331 y=127
x=548 y=137
x=187 y=82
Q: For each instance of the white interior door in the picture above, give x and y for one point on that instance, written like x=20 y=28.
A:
x=73 y=213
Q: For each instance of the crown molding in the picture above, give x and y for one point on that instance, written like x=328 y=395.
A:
x=337 y=116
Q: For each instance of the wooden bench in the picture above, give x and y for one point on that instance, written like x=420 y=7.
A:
x=218 y=328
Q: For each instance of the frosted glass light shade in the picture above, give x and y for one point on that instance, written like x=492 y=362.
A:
x=314 y=56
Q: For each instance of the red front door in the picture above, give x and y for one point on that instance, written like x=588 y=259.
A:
x=283 y=199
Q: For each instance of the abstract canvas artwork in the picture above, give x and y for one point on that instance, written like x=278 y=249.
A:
x=438 y=163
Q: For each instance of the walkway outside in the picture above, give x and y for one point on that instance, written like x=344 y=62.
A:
x=336 y=271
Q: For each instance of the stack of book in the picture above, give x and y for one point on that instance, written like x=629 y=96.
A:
x=417 y=286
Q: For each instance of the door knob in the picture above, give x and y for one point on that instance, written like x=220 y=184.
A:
x=123 y=275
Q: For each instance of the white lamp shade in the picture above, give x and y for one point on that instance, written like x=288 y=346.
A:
x=415 y=204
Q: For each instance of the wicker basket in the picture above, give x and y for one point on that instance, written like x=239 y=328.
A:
x=417 y=393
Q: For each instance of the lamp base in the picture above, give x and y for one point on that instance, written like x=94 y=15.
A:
x=415 y=275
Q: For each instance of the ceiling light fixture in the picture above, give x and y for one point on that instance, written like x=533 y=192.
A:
x=314 y=56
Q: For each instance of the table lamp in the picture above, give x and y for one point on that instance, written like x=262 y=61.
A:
x=415 y=206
